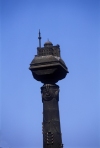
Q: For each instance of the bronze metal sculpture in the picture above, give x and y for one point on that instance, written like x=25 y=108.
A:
x=48 y=67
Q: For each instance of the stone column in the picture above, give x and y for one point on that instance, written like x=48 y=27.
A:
x=51 y=120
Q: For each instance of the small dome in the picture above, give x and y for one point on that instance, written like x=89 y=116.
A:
x=48 y=43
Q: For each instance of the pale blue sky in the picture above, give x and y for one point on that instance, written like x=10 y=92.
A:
x=75 y=26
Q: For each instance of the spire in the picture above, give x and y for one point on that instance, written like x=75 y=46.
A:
x=39 y=39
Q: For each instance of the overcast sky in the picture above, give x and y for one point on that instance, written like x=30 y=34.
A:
x=75 y=26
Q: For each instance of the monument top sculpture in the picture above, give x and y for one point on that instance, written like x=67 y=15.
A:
x=47 y=66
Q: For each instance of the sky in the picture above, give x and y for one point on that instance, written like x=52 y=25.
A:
x=75 y=26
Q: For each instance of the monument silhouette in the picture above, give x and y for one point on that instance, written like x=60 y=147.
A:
x=48 y=68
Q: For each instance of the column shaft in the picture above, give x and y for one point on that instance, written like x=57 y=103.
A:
x=51 y=120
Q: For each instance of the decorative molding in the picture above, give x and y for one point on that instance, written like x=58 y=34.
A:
x=49 y=138
x=49 y=50
x=49 y=92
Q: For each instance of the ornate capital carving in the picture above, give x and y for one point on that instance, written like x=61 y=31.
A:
x=49 y=92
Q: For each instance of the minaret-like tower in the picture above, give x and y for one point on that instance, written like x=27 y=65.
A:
x=48 y=67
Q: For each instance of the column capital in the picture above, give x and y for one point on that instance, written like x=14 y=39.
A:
x=49 y=92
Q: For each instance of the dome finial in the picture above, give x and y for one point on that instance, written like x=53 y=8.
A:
x=48 y=43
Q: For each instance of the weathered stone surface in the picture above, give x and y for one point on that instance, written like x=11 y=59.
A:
x=47 y=66
x=51 y=121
